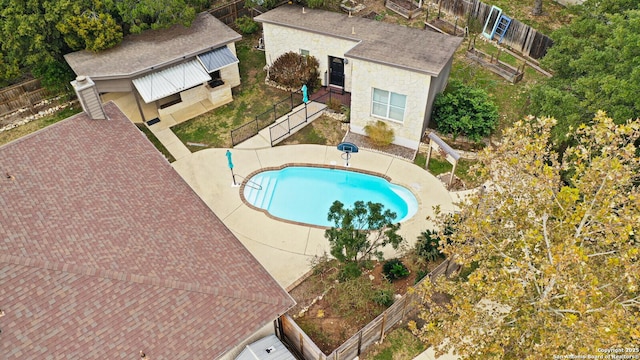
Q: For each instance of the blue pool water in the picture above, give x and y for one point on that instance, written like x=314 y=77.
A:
x=305 y=194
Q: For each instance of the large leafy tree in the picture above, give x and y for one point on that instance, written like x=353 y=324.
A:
x=141 y=15
x=550 y=252
x=90 y=25
x=28 y=34
x=35 y=34
x=361 y=232
x=596 y=65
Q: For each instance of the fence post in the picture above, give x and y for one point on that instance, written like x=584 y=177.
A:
x=301 y=344
x=306 y=115
x=359 y=341
x=384 y=320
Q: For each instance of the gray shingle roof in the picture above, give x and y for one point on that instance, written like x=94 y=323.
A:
x=106 y=251
x=153 y=48
x=400 y=46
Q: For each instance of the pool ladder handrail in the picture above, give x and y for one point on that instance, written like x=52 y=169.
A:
x=250 y=183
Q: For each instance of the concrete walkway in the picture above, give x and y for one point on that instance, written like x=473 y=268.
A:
x=282 y=248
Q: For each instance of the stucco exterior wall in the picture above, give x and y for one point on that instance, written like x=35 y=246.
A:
x=115 y=85
x=368 y=75
x=231 y=74
x=279 y=40
x=438 y=84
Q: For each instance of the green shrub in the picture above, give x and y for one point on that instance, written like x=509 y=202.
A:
x=315 y=4
x=293 y=70
x=384 y=297
x=379 y=133
x=465 y=110
x=349 y=271
x=394 y=269
x=420 y=274
x=428 y=246
x=246 y=25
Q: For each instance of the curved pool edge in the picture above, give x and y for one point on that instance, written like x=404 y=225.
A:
x=326 y=166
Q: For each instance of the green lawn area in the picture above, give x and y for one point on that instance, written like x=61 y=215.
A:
x=250 y=99
x=35 y=125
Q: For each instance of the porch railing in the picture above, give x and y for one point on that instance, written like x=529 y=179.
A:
x=261 y=121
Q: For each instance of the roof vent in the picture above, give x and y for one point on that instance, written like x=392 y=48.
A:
x=89 y=98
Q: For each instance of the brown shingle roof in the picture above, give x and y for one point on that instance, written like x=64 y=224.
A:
x=400 y=46
x=106 y=251
x=140 y=53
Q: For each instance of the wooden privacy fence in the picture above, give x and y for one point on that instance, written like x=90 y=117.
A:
x=371 y=333
x=527 y=40
x=23 y=96
x=228 y=13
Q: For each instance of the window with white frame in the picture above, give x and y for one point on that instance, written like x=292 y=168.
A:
x=304 y=52
x=388 y=104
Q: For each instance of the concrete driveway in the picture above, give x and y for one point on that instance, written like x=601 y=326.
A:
x=285 y=249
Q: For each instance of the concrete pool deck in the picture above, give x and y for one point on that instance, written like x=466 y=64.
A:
x=285 y=249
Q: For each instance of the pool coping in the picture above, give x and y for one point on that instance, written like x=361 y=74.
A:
x=326 y=166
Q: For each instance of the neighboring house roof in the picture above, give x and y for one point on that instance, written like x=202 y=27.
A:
x=105 y=251
x=394 y=45
x=151 y=49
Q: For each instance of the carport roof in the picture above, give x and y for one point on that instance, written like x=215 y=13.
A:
x=105 y=251
x=153 y=49
x=388 y=44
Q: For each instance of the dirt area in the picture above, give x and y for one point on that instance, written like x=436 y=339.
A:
x=331 y=312
x=322 y=131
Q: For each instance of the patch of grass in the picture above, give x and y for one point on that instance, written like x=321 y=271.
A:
x=154 y=140
x=22 y=130
x=439 y=166
x=322 y=131
x=399 y=344
x=251 y=98
x=554 y=15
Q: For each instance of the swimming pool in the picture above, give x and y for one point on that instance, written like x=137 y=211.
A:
x=305 y=194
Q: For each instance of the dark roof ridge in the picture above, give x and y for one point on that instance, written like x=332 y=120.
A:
x=141 y=279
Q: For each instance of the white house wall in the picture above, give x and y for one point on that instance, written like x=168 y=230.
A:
x=366 y=76
x=231 y=74
x=279 y=40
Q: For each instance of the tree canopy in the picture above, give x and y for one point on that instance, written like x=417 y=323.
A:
x=36 y=34
x=550 y=251
x=360 y=232
x=596 y=65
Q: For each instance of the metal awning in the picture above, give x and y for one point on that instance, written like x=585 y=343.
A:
x=217 y=59
x=169 y=81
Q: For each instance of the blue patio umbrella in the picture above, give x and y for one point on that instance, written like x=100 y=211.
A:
x=305 y=95
x=230 y=163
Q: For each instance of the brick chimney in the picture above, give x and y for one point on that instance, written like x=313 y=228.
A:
x=89 y=98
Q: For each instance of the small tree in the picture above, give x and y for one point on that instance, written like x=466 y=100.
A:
x=247 y=25
x=465 y=110
x=360 y=233
x=294 y=70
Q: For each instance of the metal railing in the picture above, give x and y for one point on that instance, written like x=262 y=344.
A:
x=261 y=121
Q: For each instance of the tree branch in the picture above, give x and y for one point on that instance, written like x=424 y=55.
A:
x=545 y=217
x=603 y=253
x=587 y=213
